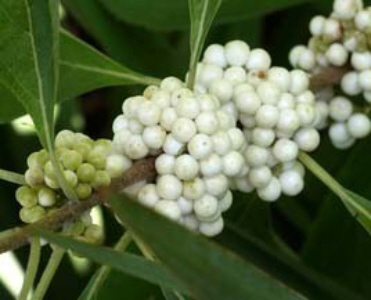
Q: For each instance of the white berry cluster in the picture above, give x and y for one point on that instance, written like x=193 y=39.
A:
x=275 y=109
x=83 y=162
x=197 y=147
x=341 y=40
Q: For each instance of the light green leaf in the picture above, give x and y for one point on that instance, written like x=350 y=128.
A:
x=82 y=69
x=202 y=14
x=12 y=177
x=210 y=272
x=359 y=207
x=130 y=264
x=172 y=15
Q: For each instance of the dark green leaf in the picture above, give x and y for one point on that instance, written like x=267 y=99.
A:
x=209 y=271
x=130 y=264
x=360 y=210
x=84 y=69
x=202 y=14
x=170 y=14
x=29 y=52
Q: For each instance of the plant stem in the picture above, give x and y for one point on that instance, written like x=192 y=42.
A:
x=12 y=177
x=32 y=267
x=104 y=271
x=49 y=273
x=329 y=181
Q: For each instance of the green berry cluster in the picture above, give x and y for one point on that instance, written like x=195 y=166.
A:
x=83 y=163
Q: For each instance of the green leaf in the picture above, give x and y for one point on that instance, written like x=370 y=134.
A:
x=28 y=59
x=210 y=272
x=12 y=177
x=171 y=15
x=202 y=14
x=130 y=264
x=82 y=69
x=359 y=207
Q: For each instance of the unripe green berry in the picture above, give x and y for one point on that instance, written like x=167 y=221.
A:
x=97 y=157
x=34 y=177
x=94 y=234
x=104 y=145
x=65 y=138
x=101 y=179
x=75 y=228
x=71 y=178
x=83 y=191
x=86 y=172
x=50 y=171
x=83 y=148
x=46 y=197
x=26 y=196
x=83 y=138
x=37 y=159
x=32 y=215
x=51 y=182
x=71 y=159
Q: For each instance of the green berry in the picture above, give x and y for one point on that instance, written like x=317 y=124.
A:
x=71 y=159
x=32 y=215
x=103 y=145
x=83 y=138
x=86 y=172
x=51 y=182
x=97 y=157
x=50 y=171
x=34 y=177
x=94 y=234
x=83 y=148
x=46 y=197
x=101 y=179
x=26 y=196
x=71 y=178
x=33 y=160
x=83 y=191
x=75 y=228
x=65 y=138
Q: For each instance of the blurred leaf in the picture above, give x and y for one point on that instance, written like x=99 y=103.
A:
x=170 y=14
x=12 y=177
x=209 y=271
x=337 y=244
x=359 y=207
x=134 y=47
x=202 y=14
x=292 y=272
x=84 y=69
x=29 y=52
x=131 y=264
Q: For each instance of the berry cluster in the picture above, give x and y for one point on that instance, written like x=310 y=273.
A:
x=84 y=166
x=197 y=147
x=341 y=40
x=275 y=109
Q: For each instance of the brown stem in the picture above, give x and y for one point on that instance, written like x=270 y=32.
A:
x=141 y=170
x=327 y=77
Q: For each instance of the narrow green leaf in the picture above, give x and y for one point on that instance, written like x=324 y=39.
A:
x=130 y=264
x=202 y=14
x=12 y=177
x=210 y=272
x=28 y=55
x=29 y=35
x=82 y=69
x=359 y=207
x=100 y=276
